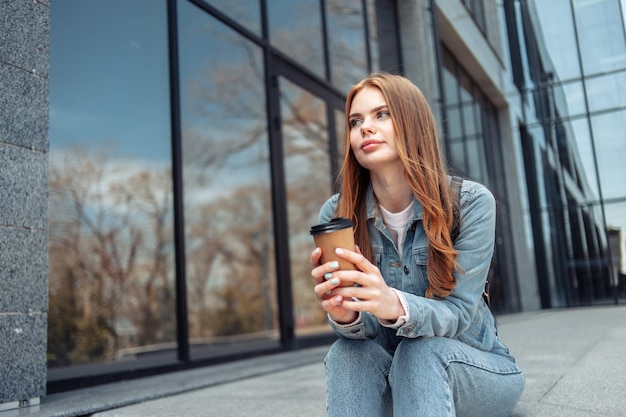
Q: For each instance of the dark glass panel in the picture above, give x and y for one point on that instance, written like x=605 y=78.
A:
x=340 y=123
x=451 y=86
x=476 y=163
x=230 y=265
x=616 y=223
x=374 y=42
x=583 y=155
x=466 y=85
x=454 y=123
x=245 y=12
x=470 y=124
x=346 y=42
x=307 y=173
x=111 y=249
x=538 y=150
x=296 y=28
x=457 y=157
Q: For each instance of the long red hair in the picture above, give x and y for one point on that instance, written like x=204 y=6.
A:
x=418 y=148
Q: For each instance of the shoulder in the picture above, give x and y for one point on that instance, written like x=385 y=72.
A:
x=475 y=195
x=329 y=208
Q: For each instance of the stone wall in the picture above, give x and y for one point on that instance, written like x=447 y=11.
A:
x=24 y=63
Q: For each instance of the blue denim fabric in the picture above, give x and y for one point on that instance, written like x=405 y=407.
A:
x=463 y=364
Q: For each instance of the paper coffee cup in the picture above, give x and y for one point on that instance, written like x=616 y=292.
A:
x=337 y=233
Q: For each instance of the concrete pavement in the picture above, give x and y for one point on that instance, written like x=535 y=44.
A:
x=574 y=361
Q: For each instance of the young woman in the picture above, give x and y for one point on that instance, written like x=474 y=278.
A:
x=416 y=336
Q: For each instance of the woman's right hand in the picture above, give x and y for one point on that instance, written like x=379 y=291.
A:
x=324 y=285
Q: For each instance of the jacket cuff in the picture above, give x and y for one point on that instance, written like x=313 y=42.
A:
x=403 y=318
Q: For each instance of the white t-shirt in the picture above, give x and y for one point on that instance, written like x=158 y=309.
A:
x=397 y=223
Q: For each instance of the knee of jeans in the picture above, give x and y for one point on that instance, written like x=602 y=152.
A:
x=432 y=348
x=363 y=351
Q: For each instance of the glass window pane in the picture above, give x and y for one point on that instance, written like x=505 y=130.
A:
x=450 y=85
x=476 y=160
x=342 y=140
x=469 y=119
x=346 y=41
x=111 y=250
x=457 y=157
x=373 y=40
x=616 y=220
x=606 y=92
x=454 y=123
x=608 y=136
x=305 y=146
x=245 y=12
x=582 y=152
x=538 y=150
x=575 y=98
x=559 y=39
x=601 y=35
x=231 y=277
x=466 y=86
x=296 y=28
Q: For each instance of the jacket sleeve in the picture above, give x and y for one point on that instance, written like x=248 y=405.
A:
x=328 y=209
x=453 y=315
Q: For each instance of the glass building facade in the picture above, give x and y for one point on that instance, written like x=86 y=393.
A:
x=191 y=146
x=192 y=143
x=571 y=77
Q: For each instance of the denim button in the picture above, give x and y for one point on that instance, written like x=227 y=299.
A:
x=406 y=270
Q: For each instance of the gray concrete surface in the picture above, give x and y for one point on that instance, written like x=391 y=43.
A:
x=574 y=361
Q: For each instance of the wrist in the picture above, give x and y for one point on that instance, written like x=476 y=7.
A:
x=348 y=318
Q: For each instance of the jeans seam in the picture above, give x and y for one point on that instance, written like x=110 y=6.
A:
x=482 y=366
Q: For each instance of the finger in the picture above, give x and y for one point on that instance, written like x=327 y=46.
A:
x=324 y=272
x=314 y=260
x=360 y=261
x=326 y=287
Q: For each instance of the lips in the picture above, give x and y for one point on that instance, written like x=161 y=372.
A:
x=370 y=143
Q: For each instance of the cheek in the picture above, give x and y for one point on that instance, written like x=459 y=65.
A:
x=355 y=140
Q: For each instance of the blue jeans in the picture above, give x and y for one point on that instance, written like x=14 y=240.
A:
x=419 y=377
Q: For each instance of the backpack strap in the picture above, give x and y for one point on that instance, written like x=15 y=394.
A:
x=456 y=185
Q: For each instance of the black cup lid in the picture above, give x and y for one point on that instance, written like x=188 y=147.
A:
x=337 y=223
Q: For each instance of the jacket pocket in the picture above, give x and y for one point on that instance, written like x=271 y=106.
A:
x=417 y=280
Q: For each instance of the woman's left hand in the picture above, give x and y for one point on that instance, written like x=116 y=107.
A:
x=372 y=293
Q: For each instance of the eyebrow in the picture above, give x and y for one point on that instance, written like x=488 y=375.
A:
x=374 y=110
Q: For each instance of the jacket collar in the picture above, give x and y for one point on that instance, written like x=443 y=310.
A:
x=371 y=207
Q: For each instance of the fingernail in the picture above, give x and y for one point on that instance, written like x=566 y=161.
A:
x=334 y=264
x=338 y=251
x=316 y=251
x=328 y=275
x=329 y=292
x=335 y=281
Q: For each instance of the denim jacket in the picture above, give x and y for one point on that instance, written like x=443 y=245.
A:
x=462 y=315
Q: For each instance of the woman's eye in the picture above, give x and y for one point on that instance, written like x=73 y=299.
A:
x=383 y=113
x=355 y=122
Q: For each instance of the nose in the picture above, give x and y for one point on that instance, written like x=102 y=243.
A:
x=367 y=128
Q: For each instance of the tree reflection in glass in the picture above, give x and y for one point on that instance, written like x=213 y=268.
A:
x=227 y=196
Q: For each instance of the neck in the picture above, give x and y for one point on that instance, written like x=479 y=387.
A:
x=392 y=191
